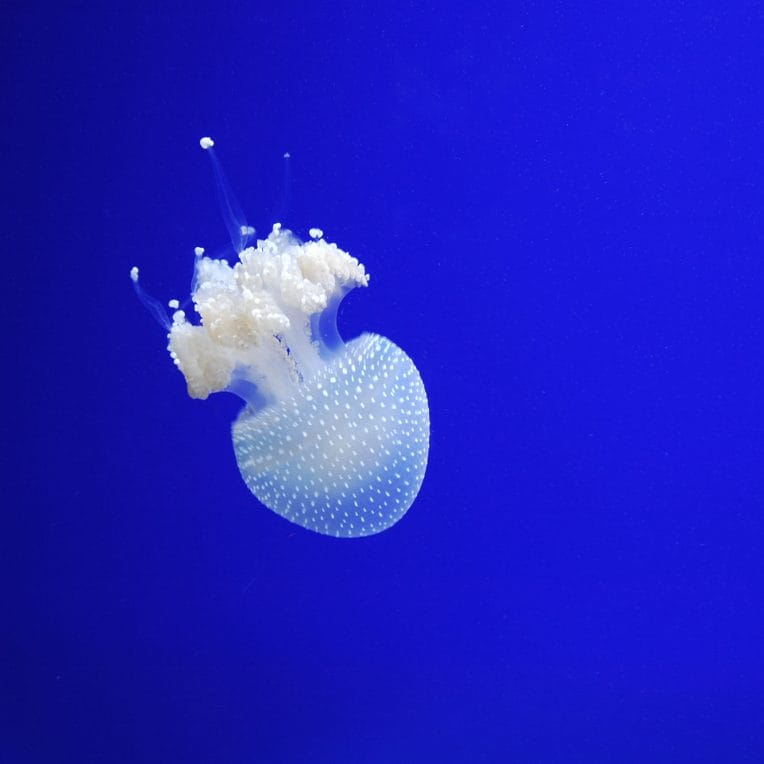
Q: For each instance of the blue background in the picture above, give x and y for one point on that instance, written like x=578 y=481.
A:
x=561 y=209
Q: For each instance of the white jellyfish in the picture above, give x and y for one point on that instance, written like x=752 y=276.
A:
x=334 y=436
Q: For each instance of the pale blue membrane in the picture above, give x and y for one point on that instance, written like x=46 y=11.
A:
x=346 y=455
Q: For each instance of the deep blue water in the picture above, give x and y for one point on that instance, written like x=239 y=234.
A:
x=561 y=209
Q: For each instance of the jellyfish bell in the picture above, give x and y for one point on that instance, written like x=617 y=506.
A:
x=334 y=435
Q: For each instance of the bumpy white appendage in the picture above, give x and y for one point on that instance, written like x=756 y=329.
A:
x=255 y=316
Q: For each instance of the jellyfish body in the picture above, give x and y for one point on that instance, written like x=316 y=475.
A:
x=346 y=454
x=334 y=436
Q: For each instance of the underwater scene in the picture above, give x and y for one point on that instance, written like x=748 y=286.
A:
x=384 y=383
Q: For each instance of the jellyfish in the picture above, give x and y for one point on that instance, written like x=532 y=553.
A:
x=333 y=435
